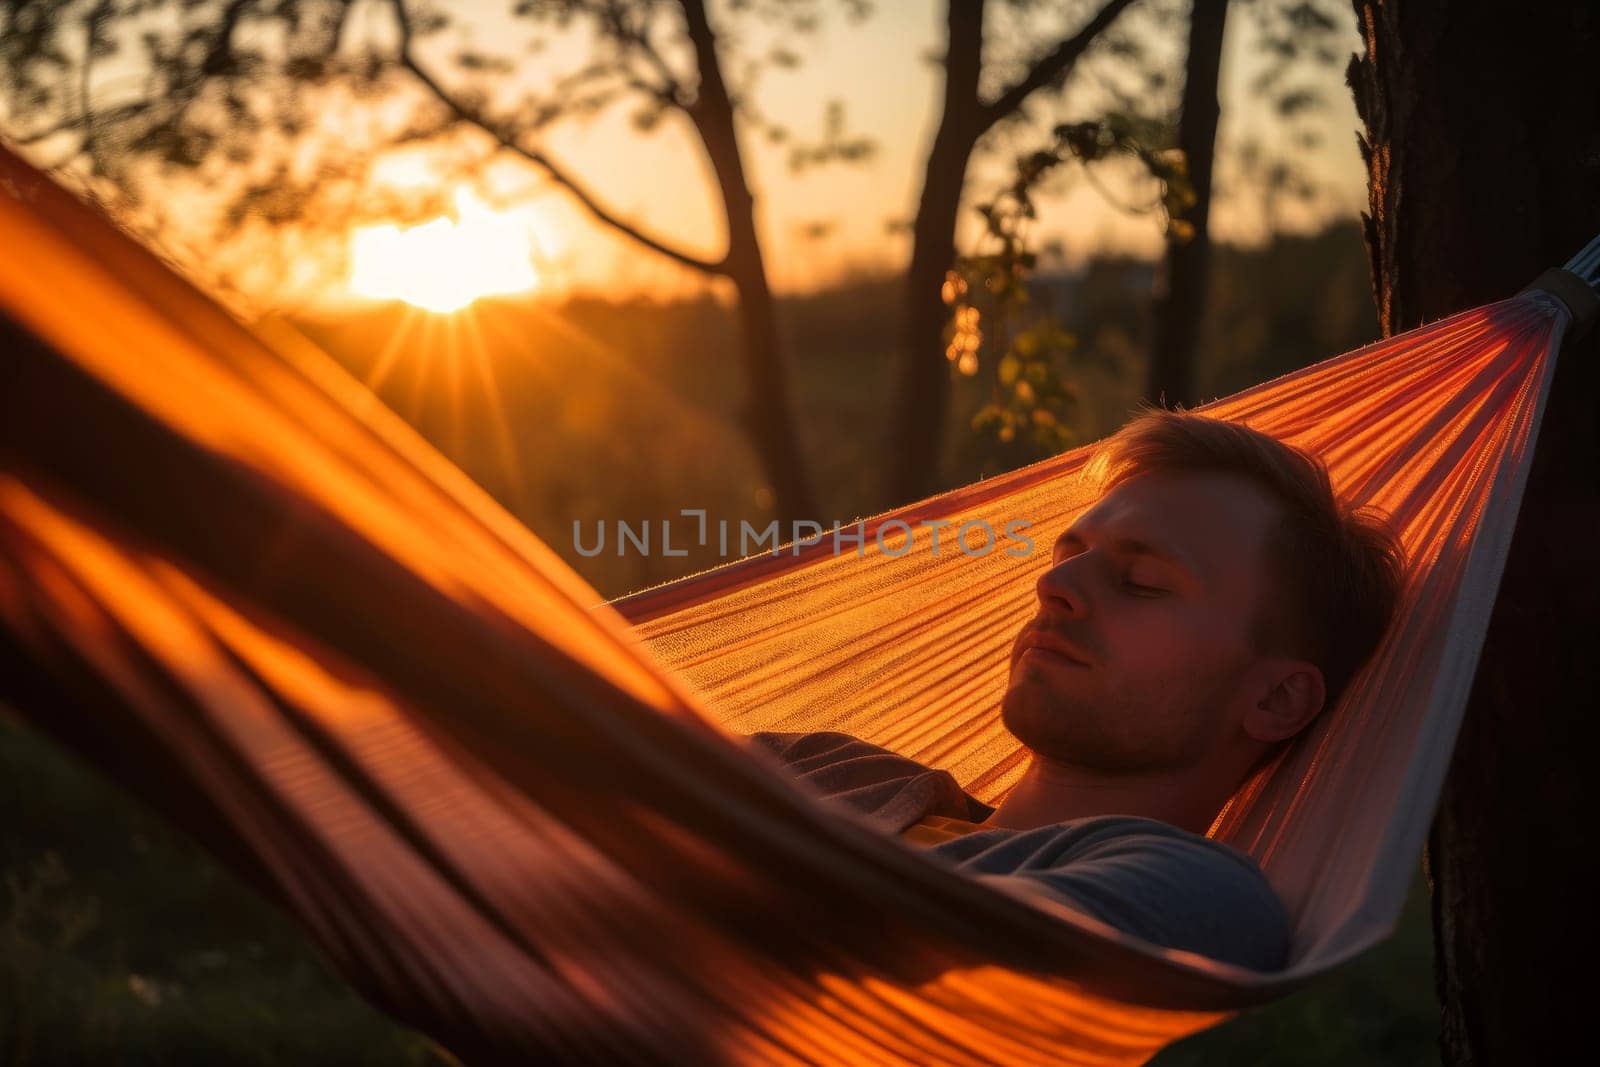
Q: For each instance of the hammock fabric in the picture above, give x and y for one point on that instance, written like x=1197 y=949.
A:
x=529 y=829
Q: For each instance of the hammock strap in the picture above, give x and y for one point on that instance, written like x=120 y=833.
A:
x=1575 y=294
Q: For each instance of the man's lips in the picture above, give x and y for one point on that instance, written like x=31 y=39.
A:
x=1046 y=642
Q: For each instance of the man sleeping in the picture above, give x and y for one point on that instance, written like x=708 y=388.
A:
x=1215 y=598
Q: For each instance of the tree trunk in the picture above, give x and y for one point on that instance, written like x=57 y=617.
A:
x=1187 y=271
x=924 y=375
x=1483 y=151
x=768 y=413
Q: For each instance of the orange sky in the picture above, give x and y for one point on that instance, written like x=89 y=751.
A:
x=880 y=70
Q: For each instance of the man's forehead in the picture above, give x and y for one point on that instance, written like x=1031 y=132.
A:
x=1207 y=517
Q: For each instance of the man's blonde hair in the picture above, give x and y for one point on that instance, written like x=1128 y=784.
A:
x=1339 y=568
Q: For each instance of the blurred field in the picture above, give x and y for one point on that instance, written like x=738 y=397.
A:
x=121 y=943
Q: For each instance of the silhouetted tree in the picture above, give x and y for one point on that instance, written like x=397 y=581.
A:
x=1294 y=35
x=966 y=115
x=1181 y=299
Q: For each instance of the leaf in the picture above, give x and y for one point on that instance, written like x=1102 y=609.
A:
x=1298 y=100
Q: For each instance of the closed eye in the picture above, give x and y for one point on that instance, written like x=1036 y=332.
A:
x=1142 y=590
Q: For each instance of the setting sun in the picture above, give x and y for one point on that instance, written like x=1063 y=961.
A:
x=445 y=264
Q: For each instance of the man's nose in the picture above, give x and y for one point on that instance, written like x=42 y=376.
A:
x=1062 y=587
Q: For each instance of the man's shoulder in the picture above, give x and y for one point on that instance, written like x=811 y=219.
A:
x=1157 y=881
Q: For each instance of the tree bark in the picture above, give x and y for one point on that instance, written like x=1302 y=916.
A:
x=1186 y=273
x=1483 y=151
x=768 y=414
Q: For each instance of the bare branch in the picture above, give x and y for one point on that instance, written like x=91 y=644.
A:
x=669 y=91
x=1052 y=66
x=506 y=139
x=78 y=122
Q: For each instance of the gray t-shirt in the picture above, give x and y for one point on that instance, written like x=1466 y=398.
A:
x=1147 y=878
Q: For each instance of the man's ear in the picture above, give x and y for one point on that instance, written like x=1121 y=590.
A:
x=1289 y=694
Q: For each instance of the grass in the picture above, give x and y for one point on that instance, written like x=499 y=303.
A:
x=122 y=943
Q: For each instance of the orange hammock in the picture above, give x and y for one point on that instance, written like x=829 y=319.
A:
x=522 y=825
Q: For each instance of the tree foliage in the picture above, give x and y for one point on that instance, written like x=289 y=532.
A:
x=1032 y=395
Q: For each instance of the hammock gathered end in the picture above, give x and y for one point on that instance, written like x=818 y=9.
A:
x=519 y=819
x=1577 y=287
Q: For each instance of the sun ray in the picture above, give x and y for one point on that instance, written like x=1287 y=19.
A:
x=426 y=348
x=452 y=359
x=389 y=357
x=630 y=374
x=478 y=356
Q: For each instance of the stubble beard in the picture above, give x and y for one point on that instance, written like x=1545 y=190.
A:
x=1118 y=732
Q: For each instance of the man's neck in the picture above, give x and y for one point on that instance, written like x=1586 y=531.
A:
x=1052 y=792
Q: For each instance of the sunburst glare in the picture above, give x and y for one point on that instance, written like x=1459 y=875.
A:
x=445 y=264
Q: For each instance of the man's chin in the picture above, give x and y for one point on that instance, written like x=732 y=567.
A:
x=1036 y=723
x=1061 y=731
